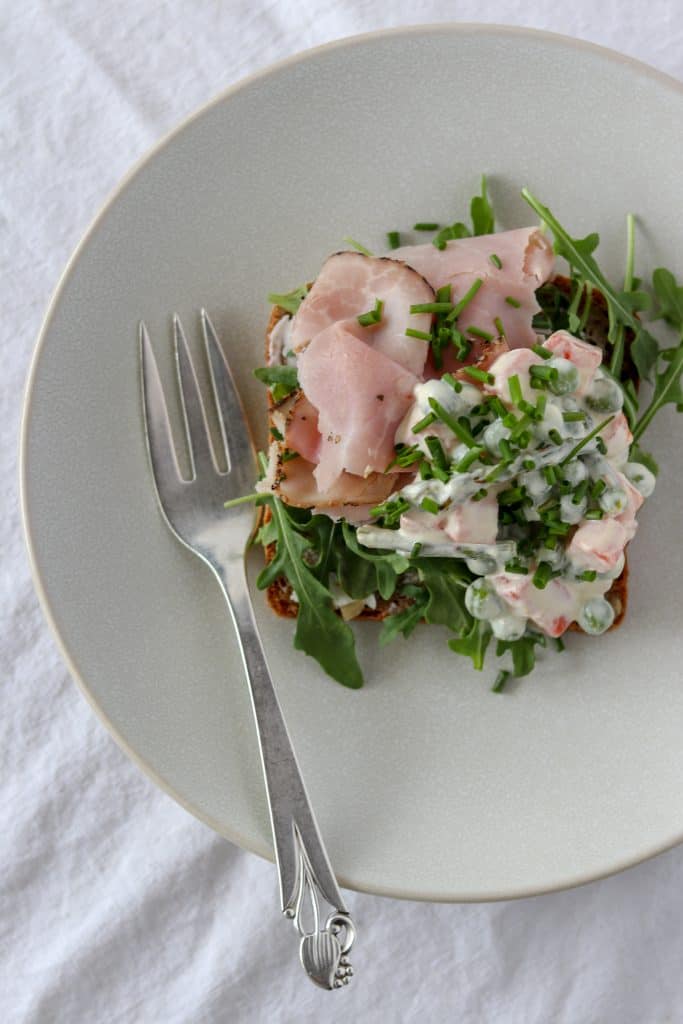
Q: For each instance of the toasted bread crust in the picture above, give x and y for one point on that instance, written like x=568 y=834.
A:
x=279 y=593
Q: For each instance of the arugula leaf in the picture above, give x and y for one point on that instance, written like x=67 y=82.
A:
x=282 y=379
x=669 y=296
x=667 y=389
x=320 y=632
x=404 y=621
x=388 y=564
x=621 y=304
x=481 y=212
x=637 y=454
x=445 y=581
x=289 y=301
x=473 y=643
x=523 y=653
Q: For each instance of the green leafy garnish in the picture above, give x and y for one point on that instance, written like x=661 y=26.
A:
x=481 y=212
x=669 y=296
x=473 y=643
x=281 y=379
x=320 y=632
x=622 y=305
x=290 y=301
x=644 y=458
x=667 y=389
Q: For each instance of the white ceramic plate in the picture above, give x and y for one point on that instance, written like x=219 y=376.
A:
x=426 y=785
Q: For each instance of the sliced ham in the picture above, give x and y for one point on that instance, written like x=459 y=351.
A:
x=297 y=486
x=301 y=429
x=348 y=285
x=527 y=261
x=361 y=396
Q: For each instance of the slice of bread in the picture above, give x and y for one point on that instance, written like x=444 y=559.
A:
x=280 y=592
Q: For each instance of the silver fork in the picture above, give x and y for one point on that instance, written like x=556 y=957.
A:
x=194 y=512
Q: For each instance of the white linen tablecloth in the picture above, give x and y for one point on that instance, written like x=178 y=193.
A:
x=116 y=904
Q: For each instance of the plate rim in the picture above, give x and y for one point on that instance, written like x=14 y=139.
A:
x=231 y=833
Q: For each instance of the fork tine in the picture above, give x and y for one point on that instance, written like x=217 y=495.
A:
x=199 y=444
x=239 y=448
x=160 y=445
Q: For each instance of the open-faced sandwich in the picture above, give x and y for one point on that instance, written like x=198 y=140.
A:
x=455 y=440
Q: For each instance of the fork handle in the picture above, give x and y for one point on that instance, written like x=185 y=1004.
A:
x=303 y=865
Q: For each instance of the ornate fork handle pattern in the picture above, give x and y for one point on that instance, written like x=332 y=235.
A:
x=306 y=877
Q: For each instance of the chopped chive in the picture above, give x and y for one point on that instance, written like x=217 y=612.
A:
x=496 y=260
x=450 y=379
x=420 y=335
x=594 y=513
x=394 y=239
x=357 y=246
x=512 y=496
x=580 y=492
x=429 y=505
x=495 y=404
x=461 y=344
x=416 y=549
x=588 y=575
x=528 y=408
x=481 y=493
x=436 y=451
x=426 y=421
x=510 y=420
x=551 y=543
x=544 y=372
x=425 y=225
x=505 y=449
x=441 y=474
x=432 y=307
x=467 y=297
x=524 y=439
x=479 y=333
x=496 y=471
x=476 y=374
x=528 y=464
x=601 y=446
x=544 y=353
x=499 y=327
x=443 y=294
x=589 y=437
x=597 y=489
x=425 y=471
x=555 y=436
x=549 y=474
x=541 y=403
x=461 y=432
x=467 y=460
x=288 y=455
x=276 y=434
x=542 y=576
x=559 y=643
x=373 y=317
x=573 y=417
x=501 y=680
x=512 y=301
x=516 y=567
x=515 y=389
x=548 y=505
x=559 y=529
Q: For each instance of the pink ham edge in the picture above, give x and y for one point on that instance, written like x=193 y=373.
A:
x=527 y=262
x=348 y=285
x=361 y=397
